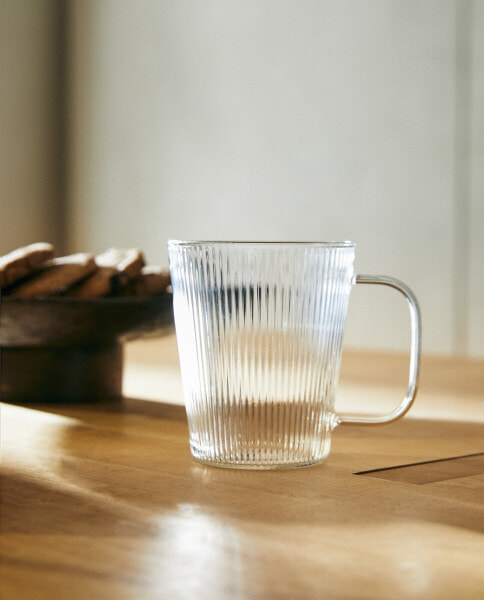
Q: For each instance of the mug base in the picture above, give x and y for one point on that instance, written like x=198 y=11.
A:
x=252 y=465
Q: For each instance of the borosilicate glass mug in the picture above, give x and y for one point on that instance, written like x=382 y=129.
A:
x=259 y=329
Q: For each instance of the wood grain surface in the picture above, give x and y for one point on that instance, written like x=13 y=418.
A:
x=102 y=501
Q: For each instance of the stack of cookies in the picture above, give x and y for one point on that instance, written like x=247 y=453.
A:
x=34 y=272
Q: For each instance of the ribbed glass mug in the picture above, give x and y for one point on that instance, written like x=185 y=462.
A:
x=260 y=329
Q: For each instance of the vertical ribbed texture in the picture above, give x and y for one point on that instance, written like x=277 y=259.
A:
x=259 y=329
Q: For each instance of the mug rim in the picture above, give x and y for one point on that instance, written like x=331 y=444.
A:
x=330 y=244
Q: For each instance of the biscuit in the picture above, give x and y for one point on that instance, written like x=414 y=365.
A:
x=101 y=283
x=151 y=281
x=115 y=270
x=22 y=262
x=56 y=276
x=130 y=262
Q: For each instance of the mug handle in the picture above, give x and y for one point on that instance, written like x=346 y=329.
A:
x=415 y=351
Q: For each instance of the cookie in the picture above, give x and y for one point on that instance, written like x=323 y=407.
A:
x=130 y=262
x=115 y=270
x=151 y=281
x=56 y=276
x=22 y=262
x=101 y=283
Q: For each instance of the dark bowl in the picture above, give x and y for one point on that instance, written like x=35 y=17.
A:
x=70 y=349
x=75 y=321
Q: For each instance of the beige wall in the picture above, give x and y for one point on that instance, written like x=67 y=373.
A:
x=31 y=158
x=289 y=120
x=475 y=232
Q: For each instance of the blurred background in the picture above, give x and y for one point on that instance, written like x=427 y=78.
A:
x=128 y=122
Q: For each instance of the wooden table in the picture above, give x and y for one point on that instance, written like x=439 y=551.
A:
x=104 y=501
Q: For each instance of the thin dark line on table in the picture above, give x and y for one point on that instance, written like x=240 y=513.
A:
x=416 y=464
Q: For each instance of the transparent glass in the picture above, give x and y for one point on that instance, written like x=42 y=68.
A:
x=260 y=330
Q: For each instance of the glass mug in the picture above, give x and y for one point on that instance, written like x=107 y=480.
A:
x=259 y=330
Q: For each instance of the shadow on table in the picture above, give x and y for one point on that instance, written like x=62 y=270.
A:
x=52 y=507
x=89 y=411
